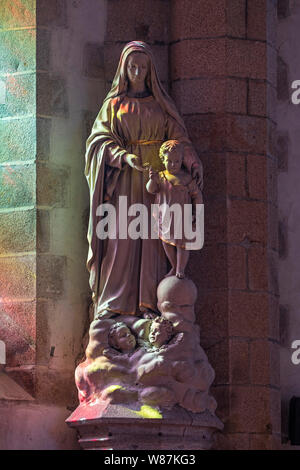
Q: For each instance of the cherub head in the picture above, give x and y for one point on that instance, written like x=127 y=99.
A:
x=160 y=332
x=121 y=338
x=171 y=155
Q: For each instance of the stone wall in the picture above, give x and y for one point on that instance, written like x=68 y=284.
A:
x=52 y=69
x=288 y=200
x=222 y=75
x=18 y=211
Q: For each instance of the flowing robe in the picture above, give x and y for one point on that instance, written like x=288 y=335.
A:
x=125 y=273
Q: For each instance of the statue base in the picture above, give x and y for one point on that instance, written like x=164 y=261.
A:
x=103 y=426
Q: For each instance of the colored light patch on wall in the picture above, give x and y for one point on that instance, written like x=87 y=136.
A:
x=18 y=139
x=18 y=277
x=18 y=330
x=17 y=13
x=18 y=231
x=17 y=185
x=20 y=95
x=17 y=51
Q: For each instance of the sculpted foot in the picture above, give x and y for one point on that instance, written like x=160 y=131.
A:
x=180 y=275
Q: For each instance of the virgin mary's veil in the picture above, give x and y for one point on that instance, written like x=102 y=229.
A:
x=120 y=81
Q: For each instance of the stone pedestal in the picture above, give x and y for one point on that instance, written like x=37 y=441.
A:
x=103 y=426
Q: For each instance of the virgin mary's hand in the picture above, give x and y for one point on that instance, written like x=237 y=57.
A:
x=196 y=173
x=134 y=161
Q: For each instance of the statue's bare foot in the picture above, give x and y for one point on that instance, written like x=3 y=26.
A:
x=172 y=272
x=180 y=275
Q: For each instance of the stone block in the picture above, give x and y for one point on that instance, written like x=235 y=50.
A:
x=17 y=51
x=24 y=376
x=283 y=9
x=18 y=139
x=283 y=142
x=222 y=395
x=20 y=97
x=55 y=386
x=257 y=171
x=236 y=96
x=199 y=96
x=274 y=317
x=273 y=272
x=218 y=357
x=239 y=360
x=236 y=175
x=247 y=134
x=247 y=219
x=283 y=244
x=18 y=277
x=17 y=187
x=17 y=329
x=265 y=442
x=44 y=308
x=250 y=410
x=232 y=441
x=207 y=132
x=52 y=13
x=197 y=58
x=262 y=99
x=237 y=267
x=18 y=231
x=137 y=20
x=273 y=227
x=235 y=18
x=214 y=169
x=258 y=267
x=43 y=43
x=209 y=266
x=211 y=314
x=93 y=56
x=43 y=131
x=43 y=231
x=246 y=58
x=215 y=221
x=21 y=14
x=52 y=186
x=283 y=82
x=257 y=19
x=52 y=97
x=265 y=366
x=190 y=19
x=248 y=314
x=51 y=275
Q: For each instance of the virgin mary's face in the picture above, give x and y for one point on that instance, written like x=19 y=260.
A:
x=137 y=68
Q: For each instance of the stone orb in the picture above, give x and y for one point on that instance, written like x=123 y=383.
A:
x=176 y=291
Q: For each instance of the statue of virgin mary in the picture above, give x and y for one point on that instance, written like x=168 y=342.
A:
x=136 y=117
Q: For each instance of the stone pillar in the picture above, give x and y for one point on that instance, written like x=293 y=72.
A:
x=51 y=87
x=223 y=71
x=18 y=211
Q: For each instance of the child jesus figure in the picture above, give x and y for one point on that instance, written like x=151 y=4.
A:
x=174 y=189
